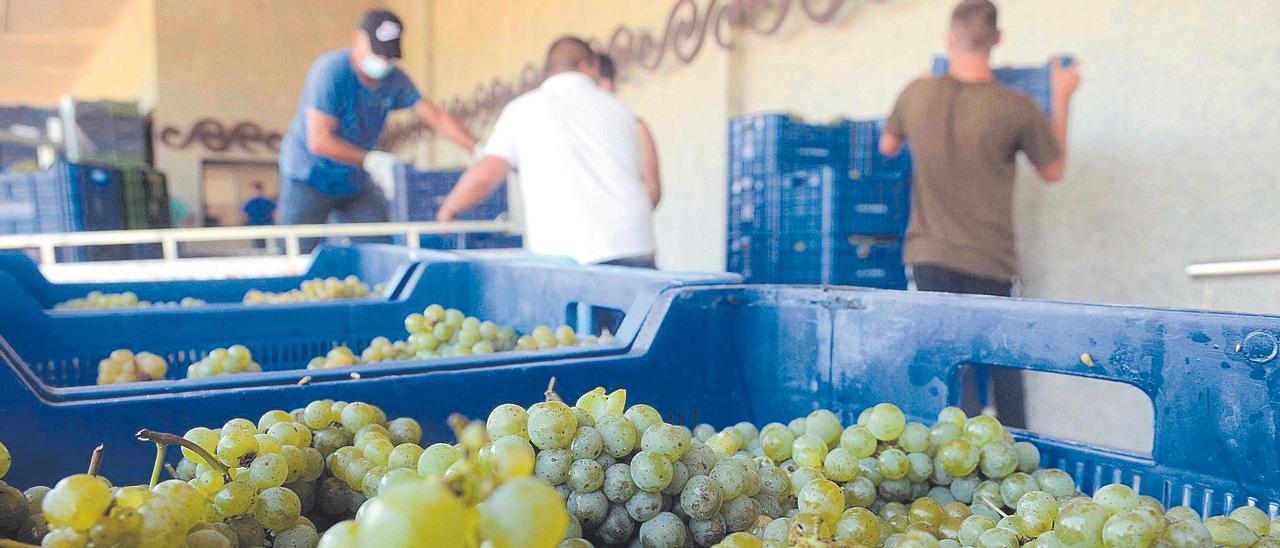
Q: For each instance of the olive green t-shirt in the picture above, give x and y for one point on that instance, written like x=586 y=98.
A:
x=964 y=140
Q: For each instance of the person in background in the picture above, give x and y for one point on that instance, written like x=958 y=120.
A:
x=327 y=162
x=179 y=214
x=578 y=153
x=259 y=210
x=965 y=132
x=649 y=171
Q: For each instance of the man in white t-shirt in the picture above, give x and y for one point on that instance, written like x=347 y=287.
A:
x=575 y=146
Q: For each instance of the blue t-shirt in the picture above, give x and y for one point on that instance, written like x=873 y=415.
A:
x=332 y=87
x=259 y=210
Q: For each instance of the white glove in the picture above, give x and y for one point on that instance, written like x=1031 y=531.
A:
x=477 y=153
x=381 y=167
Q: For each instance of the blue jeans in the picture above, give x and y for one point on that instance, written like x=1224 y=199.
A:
x=302 y=204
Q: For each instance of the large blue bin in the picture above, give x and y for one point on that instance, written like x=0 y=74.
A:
x=60 y=351
x=372 y=263
x=765 y=353
x=1034 y=82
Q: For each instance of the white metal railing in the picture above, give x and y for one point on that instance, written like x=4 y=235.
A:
x=169 y=238
x=1234 y=268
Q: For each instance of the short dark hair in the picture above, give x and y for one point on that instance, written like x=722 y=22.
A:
x=566 y=53
x=974 y=25
x=608 y=70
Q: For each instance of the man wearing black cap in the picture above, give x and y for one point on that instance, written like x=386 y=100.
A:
x=327 y=162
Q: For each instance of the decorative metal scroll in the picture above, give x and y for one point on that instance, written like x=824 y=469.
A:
x=218 y=137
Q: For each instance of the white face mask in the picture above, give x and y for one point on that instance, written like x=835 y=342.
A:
x=375 y=67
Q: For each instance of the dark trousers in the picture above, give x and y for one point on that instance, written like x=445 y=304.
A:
x=978 y=382
x=302 y=204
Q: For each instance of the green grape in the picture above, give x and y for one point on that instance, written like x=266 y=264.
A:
x=998 y=459
x=35 y=496
x=809 y=450
x=893 y=464
x=1181 y=513
x=725 y=444
x=405 y=430
x=239 y=425
x=920 y=467
x=523 y=512
x=1126 y=530
x=393 y=476
x=436 y=458
x=914 y=438
x=651 y=471
x=187 y=498
x=680 y=475
x=277 y=508
x=295 y=462
x=14 y=508
x=943 y=432
x=701 y=498
x=708 y=532
x=370 y=432
x=858 y=441
x=511 y=457
x=207 y=439
x=234 y=499
x=776 y=440
x=740 y=512
x=268 y=471
x=272 y=417
x=1014 y=486
x=286 y=433
x=268 y=445
x=982 y=430
x=959 y=510
x=617 y=486
x=378 y=450
x=972 y=527
x=237 y=448
x=618 y=434
x=587 y=443
x=406 y=515
x=802 y=476
x=953 y=415
x=164 y=522
x=1253 y=518
x=297 y=536
x=740 y=540
x=886 y=422
x=1039 y=508
x=330 y=439
x=405 y=455
x=591 y=509
x=76 y=501
x=208 y=483
x=507 y=419
x=132 y=496
x=860 y=492
x=643 y=505
x=858 y=526
x=314 y=464
x=776 y=533
x=1116 y=498
x=665 y=439
x=1056 y=482
x=1081 y=523
x=927 y=511
x=731 y=476
x=1229 y=532
x=552 y=465
x=998 y=538
x=343 y=534
x=356 y=415
x=319 y=415
x=797 y=426
x=552 y=425
x=1187 y=533
x=664 y=530
x=898 y=490
x=585 y=476
x=368 y=484
x=821 y=497
x=825 y=425
x=642 y=417
x=1028 y=457
x=65 y=537
x=840 y=466
x=773 y=481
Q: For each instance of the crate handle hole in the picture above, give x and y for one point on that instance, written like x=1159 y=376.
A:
x=589 y=319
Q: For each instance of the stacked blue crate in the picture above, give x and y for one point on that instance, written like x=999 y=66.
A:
x=799 y=194
x=1031 y=81
x=65 y=198
x=419 y=195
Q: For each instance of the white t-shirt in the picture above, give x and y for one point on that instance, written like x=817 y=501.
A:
x=575 y=147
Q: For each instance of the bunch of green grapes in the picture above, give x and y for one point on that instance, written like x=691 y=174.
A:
x=544 y=338
x=476 y=492
x=443 y=333
x=315 y=290
x=125 y=366
x=128 y=299
x=224 y=361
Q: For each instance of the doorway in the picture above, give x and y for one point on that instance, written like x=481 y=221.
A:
x=226 y=186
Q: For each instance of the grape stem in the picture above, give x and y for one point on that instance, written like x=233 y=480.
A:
x=95 y=461
x=994 y=506
x=6 y=543
x=162 y=440
x=550 y=393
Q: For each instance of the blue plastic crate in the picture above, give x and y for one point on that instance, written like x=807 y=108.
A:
x=823 y=201
x=867 y=262
x=374 y=264
x=865 y=160
x=283 y=338
x=1031 y=81
x=419 y=195
x=763 y=353
x=471 y=240
x=761 y=144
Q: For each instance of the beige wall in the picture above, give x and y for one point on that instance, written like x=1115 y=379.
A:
x=123 y=65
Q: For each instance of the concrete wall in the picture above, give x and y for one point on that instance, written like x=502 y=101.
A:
x=123 y=65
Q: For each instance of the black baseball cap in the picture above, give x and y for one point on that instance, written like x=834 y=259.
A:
x=383 y=29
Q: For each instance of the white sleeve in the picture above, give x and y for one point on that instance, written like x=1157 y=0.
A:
x=502 y=140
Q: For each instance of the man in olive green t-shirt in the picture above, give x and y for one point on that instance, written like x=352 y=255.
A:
x=965 y=132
